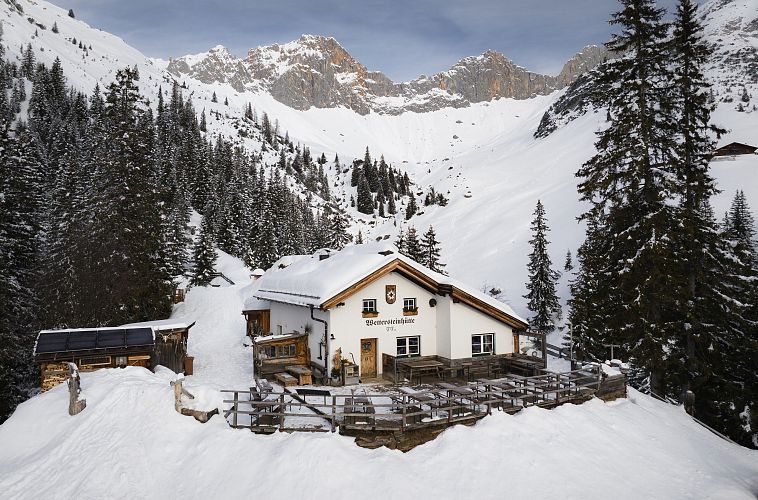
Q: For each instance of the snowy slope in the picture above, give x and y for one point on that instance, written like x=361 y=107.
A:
x=130 y=443
x=486 y=149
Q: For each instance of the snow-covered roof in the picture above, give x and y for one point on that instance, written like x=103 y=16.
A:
x=52 y=342
x=314 y=279
x=258 y=272
x=253 y=303
x=161 y=324
x=273 y=338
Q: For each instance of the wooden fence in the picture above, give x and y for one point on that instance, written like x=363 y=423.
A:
x=407 y=409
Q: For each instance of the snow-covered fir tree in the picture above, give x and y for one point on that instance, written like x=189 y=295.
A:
x=204 y=256
x=629 y=183
x=568 y=264
x=430 y=251
x=542 y=295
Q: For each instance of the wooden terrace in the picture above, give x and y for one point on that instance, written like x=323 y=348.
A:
x=263 y=409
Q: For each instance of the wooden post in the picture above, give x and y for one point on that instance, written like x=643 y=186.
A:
x=177 y=385
x=488 y=389
x=599 y=376
x=281 y=411
x=334 y=413
x=236 y=407
x=75 y=405
x=402 y=425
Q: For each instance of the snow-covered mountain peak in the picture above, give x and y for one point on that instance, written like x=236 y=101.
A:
x=316 y=71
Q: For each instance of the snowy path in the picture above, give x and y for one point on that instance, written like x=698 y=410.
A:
x=217 y=341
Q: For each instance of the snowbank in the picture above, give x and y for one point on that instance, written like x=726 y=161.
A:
x=130 y=443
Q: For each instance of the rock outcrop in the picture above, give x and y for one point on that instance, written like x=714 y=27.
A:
x=316 y=71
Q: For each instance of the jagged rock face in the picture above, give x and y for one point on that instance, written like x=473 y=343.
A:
x=589 y=58
x=316 y=71
x=484 y=78
x=217 y=65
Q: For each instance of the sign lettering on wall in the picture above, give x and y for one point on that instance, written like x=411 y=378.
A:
x=390 y=321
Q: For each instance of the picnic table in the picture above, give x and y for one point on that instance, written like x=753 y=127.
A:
x=458 y=407
x=359 y=403
x=427 y=398
x=456 y=389
x=303 y=374
x=421 y=367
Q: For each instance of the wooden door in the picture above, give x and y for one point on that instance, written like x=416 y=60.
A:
x=368 y=358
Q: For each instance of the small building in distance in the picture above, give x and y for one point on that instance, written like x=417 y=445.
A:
x=388 y=314
x=110 y=347
x=735 y=149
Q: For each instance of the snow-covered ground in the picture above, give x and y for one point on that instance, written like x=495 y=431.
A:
x=130 y=443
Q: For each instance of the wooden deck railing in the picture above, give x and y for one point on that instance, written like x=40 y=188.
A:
x=403 y=411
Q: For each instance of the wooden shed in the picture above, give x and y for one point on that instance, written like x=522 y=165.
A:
x=91 y=349
x=735 y=149
x=171 y=347
x=273 y=354
x=142 y=344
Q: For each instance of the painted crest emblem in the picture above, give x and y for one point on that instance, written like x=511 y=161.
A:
x=390 y=293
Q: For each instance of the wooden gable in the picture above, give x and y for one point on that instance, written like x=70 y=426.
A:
x=424 y=281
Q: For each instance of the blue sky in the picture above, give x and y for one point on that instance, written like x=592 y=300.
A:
x=404 y=39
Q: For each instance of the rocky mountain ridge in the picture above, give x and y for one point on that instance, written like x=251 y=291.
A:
x=316 y=71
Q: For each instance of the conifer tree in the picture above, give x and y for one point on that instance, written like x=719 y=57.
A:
x=355 y=175
x=412 y=245
x=213 y=97
x=266 y=129
x=542 y=296
x=391 y=207
x=204 y=256
x=338 y=226
x=629 y=184
x=430 y=248
x=568 y=265
x=400 y=242
x=412 y=208
x=364 y=202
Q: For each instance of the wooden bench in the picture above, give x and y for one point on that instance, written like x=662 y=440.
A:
x=303 y=374
x=285 y=379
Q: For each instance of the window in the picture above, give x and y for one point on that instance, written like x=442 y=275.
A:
x=409 y=305
x=281 y=351
x=369 y=307
x=482 y=344
x=286 y=351
x=95 y=361
x=278 y=329
x=408 y=347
